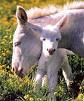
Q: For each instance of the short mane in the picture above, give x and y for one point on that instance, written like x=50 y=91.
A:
x=40 y=12
x=74 y=5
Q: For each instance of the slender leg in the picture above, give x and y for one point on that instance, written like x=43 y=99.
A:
x=38 y=79
x=52 y=81
x=41 y=71
x=67 y=72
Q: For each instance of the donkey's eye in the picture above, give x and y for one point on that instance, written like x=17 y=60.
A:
x=17 y=43
x=57 y=39
x=44 y=39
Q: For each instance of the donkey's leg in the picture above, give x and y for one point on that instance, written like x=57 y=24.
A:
x=66 y=69
x=44 y=81
x=52 y=81
x=38 y=79
x=41 y=71
x=73 y=86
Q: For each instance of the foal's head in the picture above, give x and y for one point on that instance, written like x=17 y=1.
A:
x=50 y=38
x=51 y=35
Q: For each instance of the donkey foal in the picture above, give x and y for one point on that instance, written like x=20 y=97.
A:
x=51 y=60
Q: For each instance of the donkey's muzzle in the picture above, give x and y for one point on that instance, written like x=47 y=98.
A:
x=18 y=71
x=51 y=51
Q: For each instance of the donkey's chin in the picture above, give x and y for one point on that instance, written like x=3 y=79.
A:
x=51 y=53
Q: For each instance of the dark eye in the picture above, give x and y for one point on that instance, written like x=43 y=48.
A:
x=57 y=39
x=17 y=43
x=44 y=39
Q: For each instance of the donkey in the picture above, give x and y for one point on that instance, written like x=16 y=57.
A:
x=26 y=36
x=51 y=60
x=27 y=46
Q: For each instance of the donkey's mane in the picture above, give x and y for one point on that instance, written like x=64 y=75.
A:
x=40 y=12
x=51 y=9
x=75 y=5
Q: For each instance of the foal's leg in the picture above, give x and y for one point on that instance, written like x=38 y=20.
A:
x=52 y=81
x=41 y=71
x=38 y=79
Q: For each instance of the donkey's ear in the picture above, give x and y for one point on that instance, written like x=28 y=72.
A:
x=61 y=22
x=21 y=15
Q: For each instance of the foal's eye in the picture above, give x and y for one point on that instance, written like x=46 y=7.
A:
x=44 y=39
x=57 y=39
x=17 y=43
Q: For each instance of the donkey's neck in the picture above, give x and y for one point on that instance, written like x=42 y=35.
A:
x=64 y=42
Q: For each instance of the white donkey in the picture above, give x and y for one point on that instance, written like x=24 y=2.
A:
x=51 y=60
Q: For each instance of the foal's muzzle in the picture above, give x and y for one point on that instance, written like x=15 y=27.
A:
x=51 y=51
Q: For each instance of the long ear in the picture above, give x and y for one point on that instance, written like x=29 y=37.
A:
x=62 y=21
x=21 y=15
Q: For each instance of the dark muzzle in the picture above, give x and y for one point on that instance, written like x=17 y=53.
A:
x=51 y=51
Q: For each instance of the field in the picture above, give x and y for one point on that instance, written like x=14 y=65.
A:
x=13 y=88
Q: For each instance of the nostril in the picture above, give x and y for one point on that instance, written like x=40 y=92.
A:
x=20 y=72
x=51 y=51
x=13 y=69
x=54 y=50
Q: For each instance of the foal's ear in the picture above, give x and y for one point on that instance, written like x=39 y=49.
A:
x=62 y=21
x=21 y=15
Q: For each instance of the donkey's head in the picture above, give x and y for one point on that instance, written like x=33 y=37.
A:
x=50 y=38
x=26 y=44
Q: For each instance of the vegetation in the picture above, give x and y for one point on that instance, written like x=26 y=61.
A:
x=13 y=88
